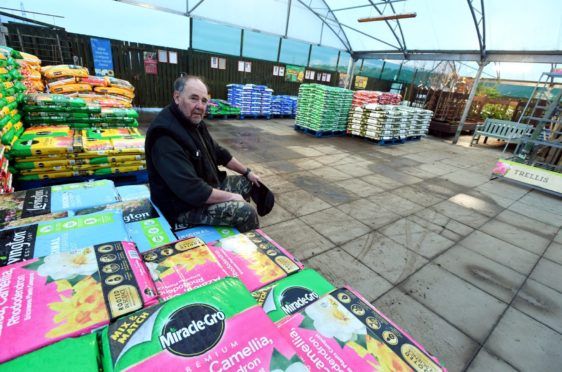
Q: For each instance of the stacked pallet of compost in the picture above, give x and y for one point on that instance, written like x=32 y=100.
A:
x=68 y=137
x=322 y=108
x=282 y=105
x=252 y=100
x=388 y=122
x=219 y=107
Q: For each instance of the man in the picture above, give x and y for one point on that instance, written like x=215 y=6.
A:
x=182 y=161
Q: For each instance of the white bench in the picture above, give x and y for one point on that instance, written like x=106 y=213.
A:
x=502 y=130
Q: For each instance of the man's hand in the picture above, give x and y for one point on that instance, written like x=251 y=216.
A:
x=254 y=178
x=237 y=197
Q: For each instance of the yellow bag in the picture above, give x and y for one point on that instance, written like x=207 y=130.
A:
x=71 y=88
x=51 y=72
x=30 y=58
x=114 y=90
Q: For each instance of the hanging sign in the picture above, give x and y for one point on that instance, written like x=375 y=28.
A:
x=527 y=174
x=294 y=73
x=150 y=63
x=103 y=59
x=361 y=82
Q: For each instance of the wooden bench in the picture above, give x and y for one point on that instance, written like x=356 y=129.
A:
x=502 y=130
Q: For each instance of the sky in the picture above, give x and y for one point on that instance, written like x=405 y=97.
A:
x=440 y=24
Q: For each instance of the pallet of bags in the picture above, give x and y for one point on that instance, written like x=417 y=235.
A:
x=62 y=79
x=30 y=68
x=117 y=89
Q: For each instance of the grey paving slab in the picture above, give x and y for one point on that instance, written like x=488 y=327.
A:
x=541 y=303
x=395 y=203
x=453 y=348
x=461 y=214
x=468 y=308
x=335 y=225
x=477 y=204
x=300 y=202
x=329 y=192
x=393 y=173
x=340 y=268
x=360 y=188
x=494 y=199
x=525 y=343
x=485 y=361
x=554 y=252
x=277 y=214
x=298 y=238
x=491 y=277
x=439 y=169
x=305 y=150
x=516 y=236
x=503 y=189
x=558 y=237
x=327 y=149
x=278 y=184
x=418 y=172
x=355 y=170
x=416 y=237
x=538 y=213
x=548 y=273
x=369 y=213
x=418 y=195
x=442 y=188
x=550 y=203
x=382 y=182
x=500 y=251
x=466 y=178
x=527 y=223
x=337 y=159
x=383 y=255
x=306 y=164
x=439 y=223
x=330 y=174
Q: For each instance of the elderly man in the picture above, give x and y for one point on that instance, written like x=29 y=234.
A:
x=183 y=159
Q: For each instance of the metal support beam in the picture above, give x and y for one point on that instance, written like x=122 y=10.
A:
x=401 y=41
x=323 y=19
x=338 y=21
x=288 y=17
x=480 y=24
x=350 y=72
x=469 y=101
x=538 y=56
x=367 y=5
x=189 y=11
x=372 y=37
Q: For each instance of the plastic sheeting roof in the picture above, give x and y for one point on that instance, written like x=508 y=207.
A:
x=443 y=27
x=440 y=25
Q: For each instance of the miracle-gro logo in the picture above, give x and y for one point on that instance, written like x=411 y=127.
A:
x=193 y=330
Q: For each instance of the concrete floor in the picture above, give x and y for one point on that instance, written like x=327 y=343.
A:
x=470 y=267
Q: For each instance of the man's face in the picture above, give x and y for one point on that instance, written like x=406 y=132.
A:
x=192 y=101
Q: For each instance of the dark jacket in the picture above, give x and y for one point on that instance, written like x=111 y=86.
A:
x=182 y=161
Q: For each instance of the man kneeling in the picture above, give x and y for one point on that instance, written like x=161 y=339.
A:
x=182 y=161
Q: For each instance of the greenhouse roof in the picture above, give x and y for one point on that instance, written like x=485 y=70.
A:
x=462 y=30
x=508 y=31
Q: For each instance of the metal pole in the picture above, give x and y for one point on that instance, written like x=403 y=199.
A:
x=350 y=72
x=469 y=101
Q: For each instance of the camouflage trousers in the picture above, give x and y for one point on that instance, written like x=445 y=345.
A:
x=238 y=214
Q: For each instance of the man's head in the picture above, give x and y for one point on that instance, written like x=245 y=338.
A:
x=190 y=94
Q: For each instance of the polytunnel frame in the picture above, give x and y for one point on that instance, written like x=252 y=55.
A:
x=400 y=52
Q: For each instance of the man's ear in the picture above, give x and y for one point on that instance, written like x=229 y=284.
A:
x=177 y=97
